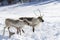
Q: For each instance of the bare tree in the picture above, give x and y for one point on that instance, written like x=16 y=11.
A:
x=10 y=1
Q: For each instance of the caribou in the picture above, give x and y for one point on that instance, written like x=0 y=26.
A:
x=33 y=21
x=18 y=24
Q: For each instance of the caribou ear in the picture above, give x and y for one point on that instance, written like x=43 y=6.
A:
x=41 y=16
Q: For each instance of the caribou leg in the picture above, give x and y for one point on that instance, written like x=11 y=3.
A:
x=23 y=31
x=33 y=29
x=10 y=33
x=20 y=31
x=17 y=30
x=4 y=31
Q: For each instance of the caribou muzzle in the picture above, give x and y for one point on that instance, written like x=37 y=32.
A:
x=42 y=20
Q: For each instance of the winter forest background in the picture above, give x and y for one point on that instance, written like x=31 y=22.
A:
x=9 y=2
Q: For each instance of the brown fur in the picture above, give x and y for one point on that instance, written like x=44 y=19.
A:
x=13 y=23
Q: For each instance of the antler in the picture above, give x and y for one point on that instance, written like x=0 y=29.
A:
x=35 y=13
x=39 y=11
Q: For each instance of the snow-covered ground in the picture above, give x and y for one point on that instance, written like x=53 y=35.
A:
x=49 y=30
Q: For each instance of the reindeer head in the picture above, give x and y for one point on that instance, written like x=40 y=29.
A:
x=40 y=17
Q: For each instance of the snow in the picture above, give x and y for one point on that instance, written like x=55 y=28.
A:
x=48 y=30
